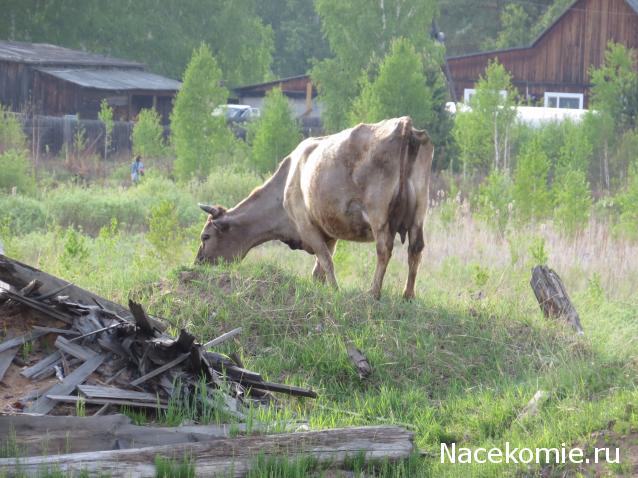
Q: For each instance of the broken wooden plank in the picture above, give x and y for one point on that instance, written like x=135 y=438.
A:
x=39 y=306
x=43 y=405
x=279 y=387
x=161 y=369
x=31 y=287
x=54 y=330
x=141 y=319
x=96 y=391
x=105 y=401
x=6 y=358
x=76 y=350
x=358 y=359
x=17 y=341
x=231 y=456
x=222 y=338
x=42 y=365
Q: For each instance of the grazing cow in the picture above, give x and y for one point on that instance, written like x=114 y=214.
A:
x=364 y=184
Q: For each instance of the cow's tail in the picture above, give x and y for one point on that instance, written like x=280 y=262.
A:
x=399 y=208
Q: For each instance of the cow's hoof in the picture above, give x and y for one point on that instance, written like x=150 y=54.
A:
x=409 y=295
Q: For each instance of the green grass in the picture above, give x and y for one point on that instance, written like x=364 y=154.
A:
x=449 y=366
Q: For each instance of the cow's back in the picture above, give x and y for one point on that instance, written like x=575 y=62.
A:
x=347 y=183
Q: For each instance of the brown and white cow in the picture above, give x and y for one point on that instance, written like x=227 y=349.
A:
x=364 y=184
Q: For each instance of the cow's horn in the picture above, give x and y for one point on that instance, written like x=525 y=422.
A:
x=208 y=209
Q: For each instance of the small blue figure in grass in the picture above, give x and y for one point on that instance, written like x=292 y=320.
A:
x=137 y=169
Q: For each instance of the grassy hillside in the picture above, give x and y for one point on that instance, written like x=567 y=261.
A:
x=456 y=365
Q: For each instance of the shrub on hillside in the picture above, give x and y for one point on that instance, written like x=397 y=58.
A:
x=226 y=187
x=573 y=201
x=11 y=134
x=494 y=199
x=148 y=135
x=628 y=201
x=22 y=214
x=164 y=231
x=275 y=134
x=16 y=172
x=531 y=192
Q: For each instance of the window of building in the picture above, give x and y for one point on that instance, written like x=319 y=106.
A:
x=564 y=100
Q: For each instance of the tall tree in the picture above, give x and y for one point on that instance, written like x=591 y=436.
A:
x=357 y=32
x=200 y=138
x=160 y=33
x=275 y=134
x=297 y=30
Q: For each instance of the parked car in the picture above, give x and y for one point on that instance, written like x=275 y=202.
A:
x=237 y=116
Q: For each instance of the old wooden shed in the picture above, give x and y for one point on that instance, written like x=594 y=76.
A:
x=43 y=79
x=554 y=70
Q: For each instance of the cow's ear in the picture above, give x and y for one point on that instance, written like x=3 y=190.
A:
x=221 y=225
x=215 y=211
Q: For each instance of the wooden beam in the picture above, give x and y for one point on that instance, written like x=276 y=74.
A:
x=6 y=358
x=161 y=369
x=230 y=456
x=43 y=405
x=107 y=401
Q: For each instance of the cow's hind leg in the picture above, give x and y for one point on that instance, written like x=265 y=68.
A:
x=415 y=249
x=317 y=272
x=385 y=243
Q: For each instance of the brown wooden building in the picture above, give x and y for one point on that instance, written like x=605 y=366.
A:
x=42 y=79
x=554 y=70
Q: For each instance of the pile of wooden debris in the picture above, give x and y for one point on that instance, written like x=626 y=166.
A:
x=107 y=356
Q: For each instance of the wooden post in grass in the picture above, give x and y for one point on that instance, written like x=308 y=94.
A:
x=552 y=296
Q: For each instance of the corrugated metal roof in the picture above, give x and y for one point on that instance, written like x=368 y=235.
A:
x=113 y=79
x=45 y=54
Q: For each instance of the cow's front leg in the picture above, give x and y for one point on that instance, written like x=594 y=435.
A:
x=415 y=249
x=385 y=242
x=318 y=273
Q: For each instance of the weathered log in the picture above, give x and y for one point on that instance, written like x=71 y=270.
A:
x=553 y=298
x=230 y=456
x=6 y=358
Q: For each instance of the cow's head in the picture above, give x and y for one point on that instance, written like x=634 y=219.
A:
x=217 y=241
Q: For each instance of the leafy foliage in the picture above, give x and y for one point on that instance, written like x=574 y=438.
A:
x=275 y=134
x=16 y=172
x=148 y=135
x=357 y=32
x=515 y=28
x=160 y=33
x=494 y=200
x=200 y=139
x=573 y=201
x=11 y=134
x=399 y=89
x=483 y=133
x=163 y=227
x=531 y=192
x=105 y=115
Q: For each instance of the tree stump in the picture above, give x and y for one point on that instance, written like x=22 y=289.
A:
x=552 y=296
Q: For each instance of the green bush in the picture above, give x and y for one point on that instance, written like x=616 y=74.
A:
x=531 y=192
x=93 y=208
x=628 y=202
x=164 y=232
x=22 y=214
x=573 y=201
x=275 y=134
x=494 y=199
x=148 y=135
x=15 y=172
x=226 y=187
x=11 y=134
